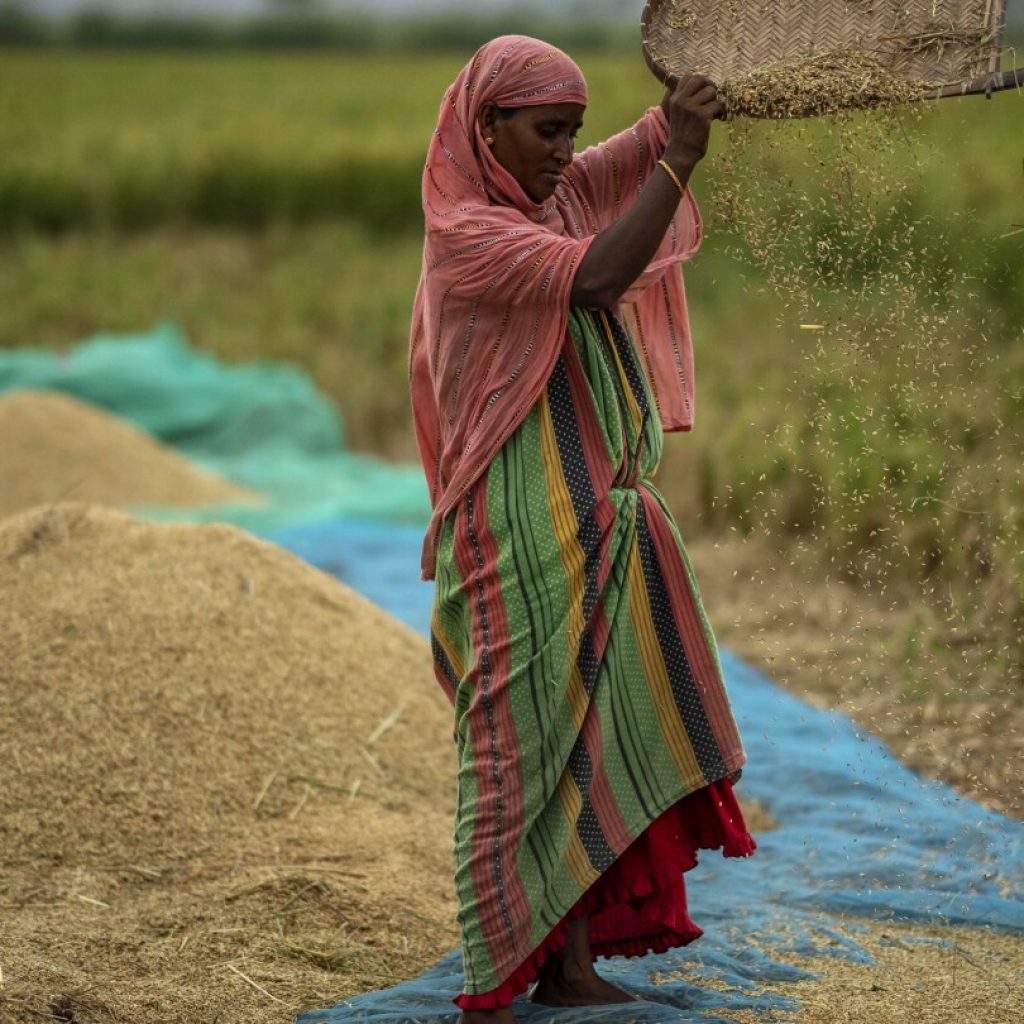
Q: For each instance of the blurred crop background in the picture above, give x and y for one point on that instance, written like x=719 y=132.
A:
x=251 y=171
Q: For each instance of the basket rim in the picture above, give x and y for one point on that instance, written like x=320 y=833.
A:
x=661 y=73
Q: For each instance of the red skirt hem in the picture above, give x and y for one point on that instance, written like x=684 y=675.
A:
x=638 y=905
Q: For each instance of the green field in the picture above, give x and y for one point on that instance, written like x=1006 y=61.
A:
x=858 y=332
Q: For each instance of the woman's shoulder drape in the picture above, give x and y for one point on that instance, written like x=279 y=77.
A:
x=493 y=303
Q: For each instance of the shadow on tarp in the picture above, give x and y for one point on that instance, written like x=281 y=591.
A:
x=859 y=835
x=261 y=425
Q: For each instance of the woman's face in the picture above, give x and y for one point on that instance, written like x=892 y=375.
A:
x=534 y=144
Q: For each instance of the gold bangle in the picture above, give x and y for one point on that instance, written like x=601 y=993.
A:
x=672 y=174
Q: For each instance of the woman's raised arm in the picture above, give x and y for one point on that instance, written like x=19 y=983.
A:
x=621 y=251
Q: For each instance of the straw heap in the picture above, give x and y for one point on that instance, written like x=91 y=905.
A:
x=57 y=448
x=223 y=763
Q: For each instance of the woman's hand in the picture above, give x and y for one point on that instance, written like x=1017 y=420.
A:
x=690 y=105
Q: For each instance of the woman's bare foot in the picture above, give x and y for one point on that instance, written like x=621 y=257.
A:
x=504 y=1016
x=568 y=977
x=589 y=990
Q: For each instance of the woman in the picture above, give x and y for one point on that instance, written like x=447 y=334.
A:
x=550 y=347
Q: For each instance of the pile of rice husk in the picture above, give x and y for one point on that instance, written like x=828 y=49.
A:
x=825 y=84
x=56 y=448
x=229 y=779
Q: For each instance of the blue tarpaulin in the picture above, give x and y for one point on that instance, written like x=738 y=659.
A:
x=859 y=835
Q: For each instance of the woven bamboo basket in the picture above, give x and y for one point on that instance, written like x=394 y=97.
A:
x=947 y=47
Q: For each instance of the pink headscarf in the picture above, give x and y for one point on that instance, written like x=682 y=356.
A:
x=492 y=305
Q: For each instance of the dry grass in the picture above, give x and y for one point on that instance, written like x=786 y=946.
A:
x=841 y=647
x=299 y=914
x=919 y=976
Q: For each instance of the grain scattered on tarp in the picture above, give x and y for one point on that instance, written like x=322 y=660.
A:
x=916 y=975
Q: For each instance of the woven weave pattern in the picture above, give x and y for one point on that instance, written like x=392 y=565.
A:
x=932 y=42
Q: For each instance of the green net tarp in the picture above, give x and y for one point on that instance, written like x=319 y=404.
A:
x=264 y=426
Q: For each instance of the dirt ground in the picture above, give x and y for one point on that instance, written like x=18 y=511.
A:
x=842 y=648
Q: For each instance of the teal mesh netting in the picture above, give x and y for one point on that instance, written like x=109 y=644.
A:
x=264 y=426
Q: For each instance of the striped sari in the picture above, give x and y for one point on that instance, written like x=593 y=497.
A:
x=594 y=734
